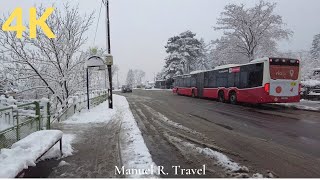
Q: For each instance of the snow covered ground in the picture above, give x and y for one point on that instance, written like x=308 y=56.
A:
x=303 y=105
x=98 y=114
x=25 y=152
x=221 y=159
x=134 y=152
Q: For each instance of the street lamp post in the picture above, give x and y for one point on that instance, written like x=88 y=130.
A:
x=88 y=97
x=106 y=3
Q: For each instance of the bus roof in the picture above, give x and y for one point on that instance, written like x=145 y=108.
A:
x=259 y=60
x=226 y=66
x=198 y=71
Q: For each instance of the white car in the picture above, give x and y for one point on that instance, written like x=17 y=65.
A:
x=311 y=87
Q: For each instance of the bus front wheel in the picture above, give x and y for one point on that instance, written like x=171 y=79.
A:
x=233 y=98
x=221 y=96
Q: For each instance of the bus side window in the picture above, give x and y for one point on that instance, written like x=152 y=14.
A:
x=231 y=79
x=189 y=82
x=193 y=81
x=206 y=79
x=252 y=79
x=222 y=82
x=255 y=78
x=237 y=80
x=212 y=80
x=243 y=79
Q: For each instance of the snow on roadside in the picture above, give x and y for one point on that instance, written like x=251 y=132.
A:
x=166 y=120
x=134 y=152
x=25 y=152
x=303 y=105
x=221 y=159
x=98 y=114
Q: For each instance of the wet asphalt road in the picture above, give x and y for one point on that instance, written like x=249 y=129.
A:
x=285 y=142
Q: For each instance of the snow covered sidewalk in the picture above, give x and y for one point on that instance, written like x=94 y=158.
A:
x=105 y=139
x=303 y=105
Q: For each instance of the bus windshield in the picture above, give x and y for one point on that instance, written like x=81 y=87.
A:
x=284 y=69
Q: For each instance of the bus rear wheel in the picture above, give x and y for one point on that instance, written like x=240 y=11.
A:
x=221 y=96
x=233 y=98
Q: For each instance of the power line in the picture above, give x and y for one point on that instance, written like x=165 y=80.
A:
x=95 y=35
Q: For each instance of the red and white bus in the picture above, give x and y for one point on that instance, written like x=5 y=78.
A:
x=266 y=80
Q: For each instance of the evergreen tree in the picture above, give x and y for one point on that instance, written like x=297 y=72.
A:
x=130 y=78
x=184 y=52
x=315 y=50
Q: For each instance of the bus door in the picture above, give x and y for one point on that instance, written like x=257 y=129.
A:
x=200 y=83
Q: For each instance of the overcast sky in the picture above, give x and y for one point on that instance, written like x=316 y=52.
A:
x=141 y=28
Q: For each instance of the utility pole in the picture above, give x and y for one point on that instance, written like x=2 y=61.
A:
x=106 y=3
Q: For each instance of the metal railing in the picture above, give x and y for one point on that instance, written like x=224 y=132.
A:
x=96 y=98
x=17 y=122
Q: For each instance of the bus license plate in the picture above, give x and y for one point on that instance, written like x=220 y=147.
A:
x=284 y=98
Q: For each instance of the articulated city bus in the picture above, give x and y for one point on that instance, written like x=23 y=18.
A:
x=266 y=80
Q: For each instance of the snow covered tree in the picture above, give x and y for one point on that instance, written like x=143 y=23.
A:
x=130 y=78
x=223 y=51
x=315 y=50
x=251 y=32
x=161 y=75
x=184 y=52
x=55 y=64
x=138 y=75
x=203 y=61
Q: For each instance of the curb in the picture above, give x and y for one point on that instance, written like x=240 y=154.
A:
x=293 y=107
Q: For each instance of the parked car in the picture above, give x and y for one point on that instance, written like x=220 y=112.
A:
x=126 y=88
x=311 y=87
x=148 y=87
